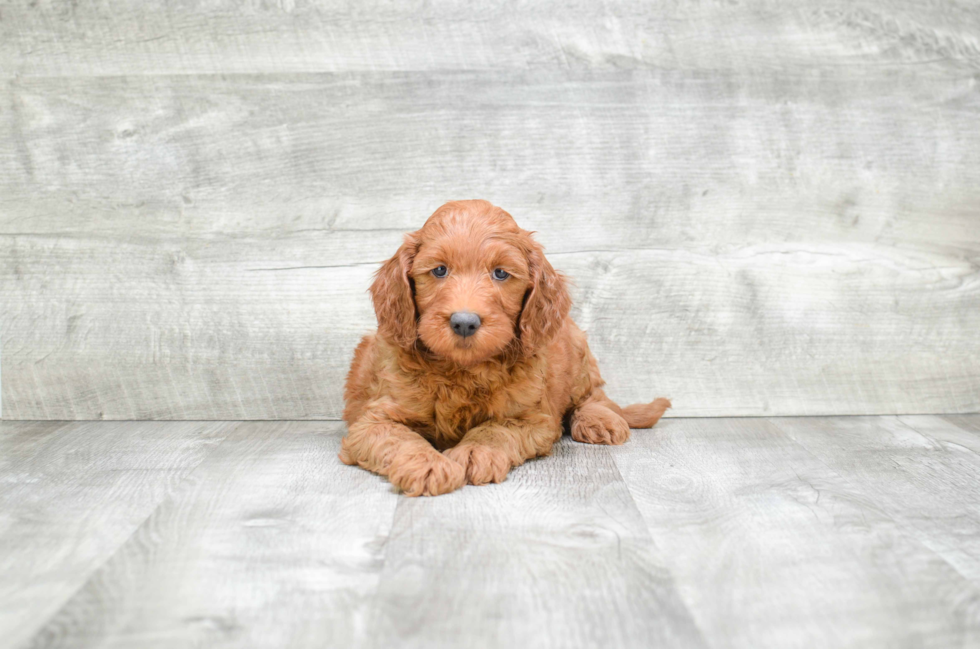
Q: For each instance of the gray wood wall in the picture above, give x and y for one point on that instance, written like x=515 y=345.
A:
x=193 y=195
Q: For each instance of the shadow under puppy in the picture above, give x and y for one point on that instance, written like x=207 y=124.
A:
x=476 y=362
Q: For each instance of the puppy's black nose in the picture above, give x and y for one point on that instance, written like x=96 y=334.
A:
x=464 y=323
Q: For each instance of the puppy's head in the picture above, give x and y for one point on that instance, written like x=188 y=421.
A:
x=468 y=285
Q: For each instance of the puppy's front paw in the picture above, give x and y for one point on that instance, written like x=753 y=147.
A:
x=427 y=473
x=483 y=463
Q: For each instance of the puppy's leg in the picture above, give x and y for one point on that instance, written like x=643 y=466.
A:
x=597 y=422
x=405 y=457
x=489 y=450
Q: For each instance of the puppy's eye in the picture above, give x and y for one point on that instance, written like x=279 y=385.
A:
x=500 y=273
x=440 y=271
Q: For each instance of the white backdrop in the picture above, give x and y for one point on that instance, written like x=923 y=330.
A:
x=193 y=196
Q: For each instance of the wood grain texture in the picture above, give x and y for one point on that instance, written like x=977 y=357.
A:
x=275 y=544
x=787 y=198
x=182 y=329
x=846 y=154
x=167 y=329
x=165 y=37
x=71 y=494
x=970 y=423
x=202 y=246
x=921 y=471
x=702 y=533
x=771 y=548
x=556 y=556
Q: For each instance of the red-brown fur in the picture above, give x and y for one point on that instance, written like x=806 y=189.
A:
x=432 y=411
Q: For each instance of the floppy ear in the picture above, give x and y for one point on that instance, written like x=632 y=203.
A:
x=546 y=303
x=393 y=295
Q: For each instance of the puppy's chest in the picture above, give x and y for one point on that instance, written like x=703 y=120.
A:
x=457 y=406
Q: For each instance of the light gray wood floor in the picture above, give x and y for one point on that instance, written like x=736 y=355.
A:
x=789 y=532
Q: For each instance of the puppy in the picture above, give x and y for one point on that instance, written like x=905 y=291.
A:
x=475 y=366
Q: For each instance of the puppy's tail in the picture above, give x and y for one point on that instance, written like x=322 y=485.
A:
x=644 y=415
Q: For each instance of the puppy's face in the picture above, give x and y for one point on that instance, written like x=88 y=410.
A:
x=467 y=285
x=470 y=281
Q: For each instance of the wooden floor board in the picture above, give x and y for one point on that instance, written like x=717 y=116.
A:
x=556 y=556
x=916 y=469
x=796 y=532
x=771 y=548
x=276 y=544
x=966 y=422
x=71 y=494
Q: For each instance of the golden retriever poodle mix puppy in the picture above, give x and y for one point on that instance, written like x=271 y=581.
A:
x=476 y=365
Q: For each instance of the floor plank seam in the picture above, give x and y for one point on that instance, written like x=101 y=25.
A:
x=673 y=577
x=177 y=491
x=374 y=605
x=912 y=531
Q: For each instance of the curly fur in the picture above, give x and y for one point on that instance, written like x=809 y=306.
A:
x=433 y=411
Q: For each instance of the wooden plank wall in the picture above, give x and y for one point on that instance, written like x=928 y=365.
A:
x=193 y=196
